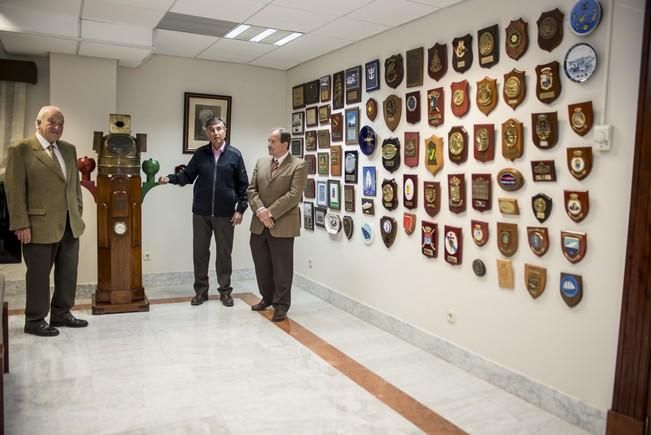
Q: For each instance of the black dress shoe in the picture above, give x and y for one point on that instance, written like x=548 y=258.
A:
x=199 y=298
x=70 y=321
x=279 y=316
x=227 y=300
x=260 y=306
x=42 y=329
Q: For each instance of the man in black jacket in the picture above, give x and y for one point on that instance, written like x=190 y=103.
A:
x=218 y=204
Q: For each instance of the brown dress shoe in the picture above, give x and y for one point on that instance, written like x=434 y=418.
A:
x=260 y=306
x=199 y=298
x=279 y=316
x=227 y=300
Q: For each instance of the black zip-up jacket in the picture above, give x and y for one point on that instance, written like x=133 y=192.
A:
x=219 y=189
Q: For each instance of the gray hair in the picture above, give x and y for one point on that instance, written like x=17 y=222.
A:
x=212 y=121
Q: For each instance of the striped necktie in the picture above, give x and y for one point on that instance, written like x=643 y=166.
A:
x=274 y=166
x=54 y=157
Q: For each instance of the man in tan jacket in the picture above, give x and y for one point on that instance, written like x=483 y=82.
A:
x=276 y=187
x=45 y=207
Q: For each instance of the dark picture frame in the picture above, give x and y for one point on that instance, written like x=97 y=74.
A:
x=298 y=122
x=334 y=194
x=298 y=97
x=325 y=88
x=338 y=90
x=337 y=126
x=310 y=140
x=197 y=109
x=324 y=114
x=354 y=85
x=322 y=193
x=372 y=75
x=296 y=146
x=312 y=92
x=308 y=215
x=352 y=126
x=312 y=116
x=319 y=216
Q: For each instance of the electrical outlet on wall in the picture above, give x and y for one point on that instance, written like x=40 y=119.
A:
x=452 y=317
x=146 y=256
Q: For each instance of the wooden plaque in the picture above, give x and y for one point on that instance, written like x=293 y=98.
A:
x=432 y=197
x=462 y=53
x=580 y=116
x=538 y=239
x=488 y=45
x=335 y=160
x=512 y=136
x=548 y=82
x=507 y=238
x=457 y=193
x=338 y=90
x=479 y=231
x=486 y=95
x=437 y=61
x=392 y=106
x=337 y=127
x=508 y=206
x=544 y=129
x=515 y=88
x=393 y=71
x=577 y=204
x=349 y=198
x=429 y=239
x=412 y=104
x=481 y=192
x=458 y=144
x=535 y=279
x=574 y=245
x=435 y=107
x=579 y=161
x=550 y=29
x=412 y=147
x=543 y=170
x=484 y=142
x=415 y=67
x=371 y=109
x=434 y=154
x=517 y=38
x=460 y=101
x=410 y=191
x=505 y=274
x=453 y=241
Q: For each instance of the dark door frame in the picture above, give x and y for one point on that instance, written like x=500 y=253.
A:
x=629 y=414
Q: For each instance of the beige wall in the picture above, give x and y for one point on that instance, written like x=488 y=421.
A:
x=571 y=350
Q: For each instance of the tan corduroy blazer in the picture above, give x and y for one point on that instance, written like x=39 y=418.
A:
x=280 y=194
x=38 y=195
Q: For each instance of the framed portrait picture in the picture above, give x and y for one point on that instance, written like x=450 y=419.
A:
x=337 y=127
x=321 y=193
x=354 y=85
x=310 y=140
x=198 y=108
x=368 y=180
x=324 y=86
x=298 y=122
x=334 y=194
x=311 y=119
x=338 y=89
x=323 y=163
x=324 y=114
x=319 y=216
x=323 y=138
x=308 y=215
x=298 y=97
x=296 y=146
x=310 y=189
x=352 y=126
x=312 y=92
x=372 y=73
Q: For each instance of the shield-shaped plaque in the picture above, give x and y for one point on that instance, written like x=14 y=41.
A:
x=541 y=205
x=437 y=61
x=460 y=102
x=535 y=279
x=550 y=29
x=462 y=53
x=489 y=46
x=458 y=144
x=412 y=146
x=479 y=231
x=548 y=82
x=574 y=245
x=389 y=194
x=484 y=142
x=571 y=288
x=391 y=154
x=507 y=238
x=367 y=140
x=389 y=229
x=517 y=38
x=512 y=139
x=579 y=161
x=453 y=242
x=393 y=71
x=479 y=267
x=486 y=95
x=434 y=154
x=392 y=111
x=409 y=222
x=350 y=166
x=347 y=223
x=457 y=193
x=432 y=197
x=538 y=238
x=544 y=129
x=371 y=109
x=510 y=179
x=508 y=206
x=429 y=239
x=410 y=191
x=412 y=101
x=435 y=107
x=481 y=192
x=515 y=88
x=577 y=204
x=543 y=170
x=580 y=116
x=368 y=206
x=415 y=67
x=505 y=274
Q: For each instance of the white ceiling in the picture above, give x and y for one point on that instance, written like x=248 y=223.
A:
x=126 y=30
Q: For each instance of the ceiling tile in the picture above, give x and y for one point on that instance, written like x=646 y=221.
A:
x=38 y=21
x=353 y=30
x=275 y=62
x=108 y=11
x=279 y=17
x=232 y=50
x=20 y=43
x=227 y=10
x=128 y=56
x=330 y=7
x=391 y=12
x=119 y=33
x=437 y=3
x=180 y=43
x=59 y=7
x=159 y=5
x=301 y=50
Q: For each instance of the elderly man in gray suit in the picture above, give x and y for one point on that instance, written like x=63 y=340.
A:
x=276 y=187
x=45 y=207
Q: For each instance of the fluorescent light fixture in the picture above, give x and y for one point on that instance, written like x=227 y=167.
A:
x=287 y=39
x=260 y=36
x=236 y=31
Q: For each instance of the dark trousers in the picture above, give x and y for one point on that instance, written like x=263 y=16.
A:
x=40 y=258
x=203 y=227
x=273 y=258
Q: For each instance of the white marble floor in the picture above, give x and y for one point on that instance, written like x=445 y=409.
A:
x=215 y=370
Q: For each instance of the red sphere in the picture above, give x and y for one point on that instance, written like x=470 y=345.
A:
x=86 y=164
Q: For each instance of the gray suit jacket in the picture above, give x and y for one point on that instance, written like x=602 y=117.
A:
x=38 y=195
x=280 y=194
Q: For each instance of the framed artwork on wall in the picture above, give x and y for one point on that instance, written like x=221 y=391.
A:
x=198 y=108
